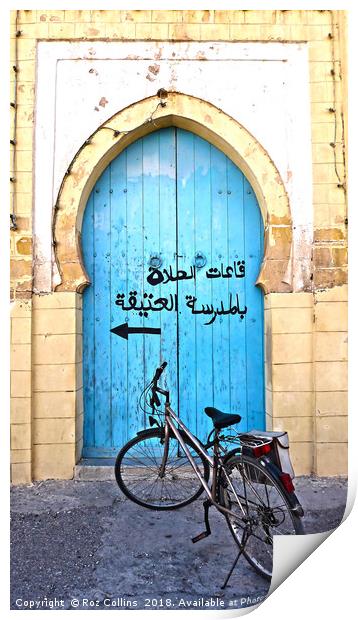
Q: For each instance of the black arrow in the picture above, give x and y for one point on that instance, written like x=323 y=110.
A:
x=123 y=330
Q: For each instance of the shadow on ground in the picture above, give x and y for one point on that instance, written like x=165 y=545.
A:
x=83 y=542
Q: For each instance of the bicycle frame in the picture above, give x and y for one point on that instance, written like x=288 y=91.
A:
x=170 y=415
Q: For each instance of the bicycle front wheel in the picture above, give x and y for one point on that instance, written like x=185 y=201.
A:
x=263 y=504
x=137 y=471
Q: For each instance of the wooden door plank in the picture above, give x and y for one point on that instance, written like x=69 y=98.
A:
x=254 y=318
x=186 y=288
x=167 y=215
x=119 y=346
x=220 y=291
x=151 y=244
x=102 y=276
x=236 y=253
x=135 y=282
x=88 y=327
x=203 y=290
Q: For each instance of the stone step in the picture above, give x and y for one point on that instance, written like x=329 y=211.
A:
x=94 y=469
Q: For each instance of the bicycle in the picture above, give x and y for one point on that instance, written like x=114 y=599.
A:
x=167 y=467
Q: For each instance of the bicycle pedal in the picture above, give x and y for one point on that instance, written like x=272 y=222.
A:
x=200 y=536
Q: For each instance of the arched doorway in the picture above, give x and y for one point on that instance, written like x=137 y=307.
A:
x=172 y=237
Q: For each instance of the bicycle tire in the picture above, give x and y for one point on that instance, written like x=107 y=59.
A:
x=257 y=551
x=148 y=443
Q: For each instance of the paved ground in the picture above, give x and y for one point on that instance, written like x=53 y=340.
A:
x=83 y=541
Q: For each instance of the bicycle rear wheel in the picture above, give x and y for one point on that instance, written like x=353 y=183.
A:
x=264 y=503
x=137 y=472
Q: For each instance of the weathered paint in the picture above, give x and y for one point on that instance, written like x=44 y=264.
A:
x=174 y=196
x=78 y=75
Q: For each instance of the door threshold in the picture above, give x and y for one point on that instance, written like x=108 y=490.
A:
x=92 y=469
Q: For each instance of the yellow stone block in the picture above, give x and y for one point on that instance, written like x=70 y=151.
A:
x=291 y=320
x=54 y=430
x=151 y=31
x=50 y=16
x=332 y=429
x=184 y=32
x=126 y=30
x=331 y=376
x=290 y=17
x=198 y=17
x=325 y=153
x=331 y=459
x=54 y=461
x=323 y=132
x=26 y=17
x=77 y=16
x=319 y=17
x=102 y=16
x=21 y=473
x=298 y=429
x=20 y=456
x=278 y=32
x=292 y=377
x=167 y=16
x=331 y=346
x=316 y=33
x=54 y=349
x=322 y=92
x=20 y=410
x=290 y=348
x=321 y=71
x=26 y=49
x=24 y=142
x=38 y=30
x=331 y=403
x=59 y=300
x=229 y=17
x=245 y=32
x=54 y=378
x=292 y=404
x=24 y=159
x=260 y=17
x=337 y=293
x=23 y=181
x=320 y=50
x=328 y=193
x=90 y=31
x=331 y=317
x=301 y=454
x=20 y=436
x=289 y=300
x=54 y=321
x=326 y=173
x=61 y=31
x=20 y=357
x=133 y=16
x=215 y=32
x=26 y=71
x=54 y=404
x=20 y=383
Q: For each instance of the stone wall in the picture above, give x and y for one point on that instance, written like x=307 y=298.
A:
x=306 y=332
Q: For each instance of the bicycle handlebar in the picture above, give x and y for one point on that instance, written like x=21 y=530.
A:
x=159 y=371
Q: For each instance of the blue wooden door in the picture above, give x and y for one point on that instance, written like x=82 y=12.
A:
x=172 y=238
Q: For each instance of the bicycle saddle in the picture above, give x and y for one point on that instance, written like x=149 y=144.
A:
x=221 y=419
